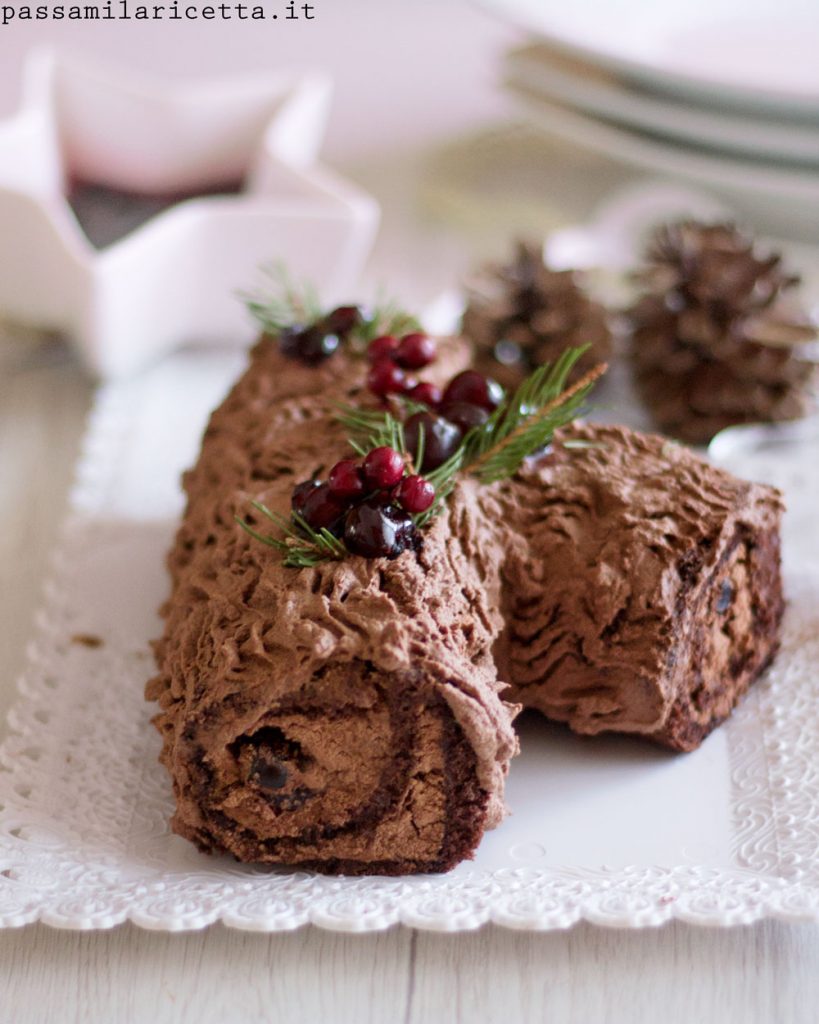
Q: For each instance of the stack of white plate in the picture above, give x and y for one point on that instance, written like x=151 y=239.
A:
x=724 y=93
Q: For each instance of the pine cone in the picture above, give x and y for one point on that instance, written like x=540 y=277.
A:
x=523 y=314
x=716 y=337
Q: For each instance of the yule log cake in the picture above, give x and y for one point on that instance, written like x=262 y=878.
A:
x=351 y=630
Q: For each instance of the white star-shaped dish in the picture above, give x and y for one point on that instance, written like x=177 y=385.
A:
x=174 y=278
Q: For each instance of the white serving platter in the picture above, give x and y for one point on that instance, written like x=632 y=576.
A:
x=612 y=831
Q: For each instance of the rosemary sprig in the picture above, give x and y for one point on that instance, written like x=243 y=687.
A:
x=302 y=546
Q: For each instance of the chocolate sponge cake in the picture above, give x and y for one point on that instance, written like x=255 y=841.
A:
x=353 y=714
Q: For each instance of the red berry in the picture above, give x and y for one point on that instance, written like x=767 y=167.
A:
x=346 y=480
x=383 y=468
x=385 y=378
x=415 y=350
x=416 y=494
x=374 y=530
x=426 y=393
x=301 y=492
x=382 y=348
x=464 y=415
x=474 y=389
x=290 y=340
x=322 y=510
x=310 y=344
x=441 y=439
x=343 y=319
x=315 y=345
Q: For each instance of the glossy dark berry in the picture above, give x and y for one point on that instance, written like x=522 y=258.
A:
x=290 y=339
x=343 y=319
x=382 y=348
x=415 y=494
x=414 y=351
x=315 y=345
x=464 y=415
x=322 y=510
x=385 y=378
x=301 y=492
x=475 y=389
x=427 y=393
x=346 y=480
x=383 y=468
x=375 y=530
x=441 y=438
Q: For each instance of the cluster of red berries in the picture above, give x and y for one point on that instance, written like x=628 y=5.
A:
x=391 y=357
x=316 y=342
x=369 y=504
x=467 y=401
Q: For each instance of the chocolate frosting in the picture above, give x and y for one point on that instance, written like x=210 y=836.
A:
x=614 y=614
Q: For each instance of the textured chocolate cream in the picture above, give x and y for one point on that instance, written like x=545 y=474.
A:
x=351 y=717
x=644 y=588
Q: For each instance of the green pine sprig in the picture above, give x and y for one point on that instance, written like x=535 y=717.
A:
x=522 y=425
x=282 y=303
x=302 y=546
x=527 y=421
x=385 y=317
x=371 y=428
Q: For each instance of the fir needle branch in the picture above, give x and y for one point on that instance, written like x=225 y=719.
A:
x=513 y=442
x=417 y=460
x=302 y=546
x=371 y=428
x=443 y=479
x=282 y=303
x=542 y=386
x=386 y=317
